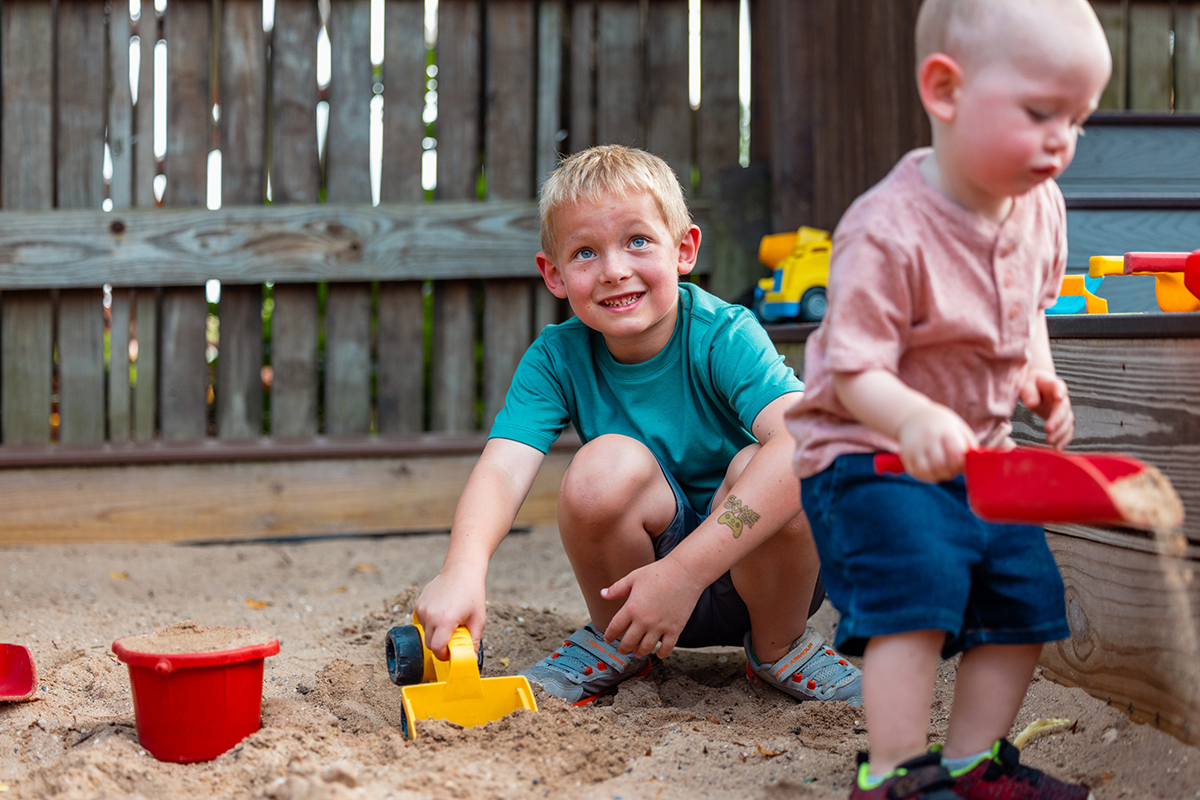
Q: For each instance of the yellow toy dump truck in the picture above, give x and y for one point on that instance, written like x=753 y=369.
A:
x=800 y=262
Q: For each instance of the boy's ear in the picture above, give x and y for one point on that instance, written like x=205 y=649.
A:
x=551 y=276
x=938 y=80
x=689 y=248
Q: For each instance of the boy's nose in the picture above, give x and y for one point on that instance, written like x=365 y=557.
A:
x=615 y=270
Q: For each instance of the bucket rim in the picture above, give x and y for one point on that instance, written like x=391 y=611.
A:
x=138 y=658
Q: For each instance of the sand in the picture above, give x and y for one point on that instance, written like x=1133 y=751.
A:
x=694 y=728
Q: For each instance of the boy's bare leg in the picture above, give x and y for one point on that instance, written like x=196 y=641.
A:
x=898 y=675
x=989 y=687
x=614 y=499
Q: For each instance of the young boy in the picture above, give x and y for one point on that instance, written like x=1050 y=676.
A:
x=939 y=278
x=679 y=400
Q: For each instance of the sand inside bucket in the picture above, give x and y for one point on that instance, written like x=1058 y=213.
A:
x=1146 y=499
x=187 y=637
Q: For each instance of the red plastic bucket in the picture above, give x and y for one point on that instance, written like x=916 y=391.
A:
x=195 y=706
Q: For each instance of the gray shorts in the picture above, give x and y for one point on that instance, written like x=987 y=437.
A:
x=720 y=616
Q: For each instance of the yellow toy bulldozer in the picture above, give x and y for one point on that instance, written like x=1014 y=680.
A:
x=796 y=291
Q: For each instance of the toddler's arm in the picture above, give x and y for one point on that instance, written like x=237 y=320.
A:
x=934 y=440
x=485 y=512
x=1044 y=393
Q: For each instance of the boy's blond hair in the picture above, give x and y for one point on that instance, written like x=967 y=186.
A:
x=611 y=169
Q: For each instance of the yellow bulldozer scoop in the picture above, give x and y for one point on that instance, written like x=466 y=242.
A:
x=450 y=690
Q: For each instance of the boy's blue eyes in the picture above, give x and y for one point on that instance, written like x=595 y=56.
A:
x=637 y=242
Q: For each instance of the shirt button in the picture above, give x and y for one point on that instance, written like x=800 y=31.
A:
x=1005 y=250
x=1014 y=311
x=1009 y=280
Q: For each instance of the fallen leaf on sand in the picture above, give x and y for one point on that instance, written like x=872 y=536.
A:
x=119 y=576
x=363 y=566
x=257 y=603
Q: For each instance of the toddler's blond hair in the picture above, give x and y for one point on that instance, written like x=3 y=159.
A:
x=611 y=169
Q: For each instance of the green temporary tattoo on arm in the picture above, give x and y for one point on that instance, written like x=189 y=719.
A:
x=737 y=516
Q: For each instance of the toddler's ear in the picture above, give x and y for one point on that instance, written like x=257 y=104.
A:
x=938 y=80
x=551 y=276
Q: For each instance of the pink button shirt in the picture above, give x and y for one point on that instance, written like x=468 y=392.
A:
x=939 y=296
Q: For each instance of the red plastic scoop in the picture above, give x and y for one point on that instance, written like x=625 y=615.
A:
x=18 y=677
x=1034 y=484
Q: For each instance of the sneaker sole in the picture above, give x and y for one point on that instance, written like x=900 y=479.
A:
x=643 y=672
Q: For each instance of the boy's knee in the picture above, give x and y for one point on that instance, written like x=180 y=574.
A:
x=606 y=471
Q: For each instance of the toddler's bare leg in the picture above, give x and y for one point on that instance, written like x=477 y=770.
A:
x=898 y=674
x=990 y=685
x=614 y=499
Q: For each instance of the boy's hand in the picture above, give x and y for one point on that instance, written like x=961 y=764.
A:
x=934 y=442
x=1045 y=394
x=448 y=601
x=660 y=599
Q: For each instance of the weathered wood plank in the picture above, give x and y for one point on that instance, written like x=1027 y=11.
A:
x=183 y=392
x=257 y=244
x=243 y=103
x=120 y=108
x=194 y=502
x=668 y=109
x=1126 y=161
x=120 y=397
x=1187 y=57
x=295 y=166
x=145 y=163
x=581 y=130
x=145 y=390
x=26 y=345
x=620 y=74
x=510 y=112
x=348 y=162
x=239 y=362
x=507 y=334
x=401 y=358
x=26 y=107
x=1150 y=56
x=294 y=326
x=1112 y=16
x=348 y=359
x=1094 y=232
x=189 y=102
x=459 y=81
x=550 y=16
x=718 y=127
x=404 y=100
x=82 y=101
x=452 y=401
x=1133 y=642
x=81 y=366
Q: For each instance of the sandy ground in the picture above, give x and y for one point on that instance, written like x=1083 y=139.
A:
x=694 y=728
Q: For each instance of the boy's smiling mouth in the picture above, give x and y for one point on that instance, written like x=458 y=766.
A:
x=621 y=302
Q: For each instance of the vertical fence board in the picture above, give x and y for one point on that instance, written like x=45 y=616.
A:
x=119 y=396
x=1111 y=14
x=82 y=102
x=452 y=406
x=242 y=98
x=1187 y=57
x=459 y=81
x=120 y=108
x=547 y=309
x=620 y=74
x=348 y=359
x=145 y=390
x=348 y=164
x=239 y=363
x=668 y=110
x=294 y=361
x=549 y=87
x=510 y=112
x=793 y=102
x=1150 y=56
x=189 y=103
x=581 y=129
x=401 y=358
x=145 y=163
x=183 y=392
x=719 y=124
x=81 y=366
x=295 y=165
x=507 y=333
x=26 y=346
x=403 y=102
x=26 y=158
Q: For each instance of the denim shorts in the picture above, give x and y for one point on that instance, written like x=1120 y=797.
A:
x=720 y=616
x=901 y=555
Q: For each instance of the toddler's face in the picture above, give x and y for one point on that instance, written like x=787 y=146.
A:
x=619 y=266
x=1018 y=119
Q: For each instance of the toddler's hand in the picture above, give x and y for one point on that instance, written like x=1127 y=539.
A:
x=448 y=601
x=934 y=442
x=1045 y=394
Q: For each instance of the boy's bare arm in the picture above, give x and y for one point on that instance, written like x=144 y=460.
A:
x=486 y=509
x=933 y=438
x=765 y=497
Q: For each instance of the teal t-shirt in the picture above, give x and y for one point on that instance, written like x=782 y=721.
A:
x=693 y=404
